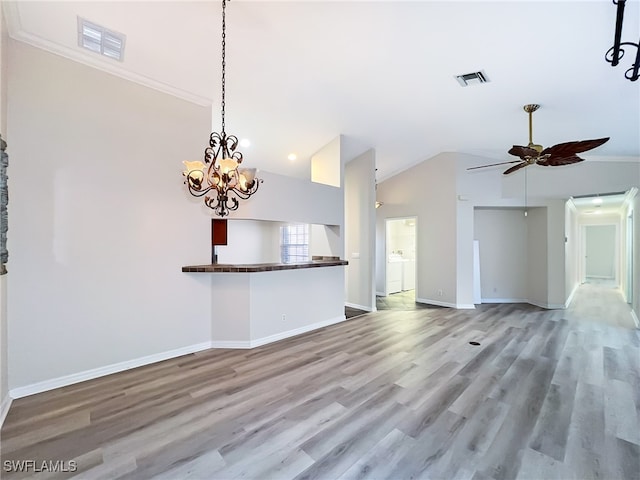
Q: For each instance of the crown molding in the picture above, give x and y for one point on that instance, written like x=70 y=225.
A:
x=16 y=32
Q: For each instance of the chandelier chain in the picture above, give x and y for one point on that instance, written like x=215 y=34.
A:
x=224 y=43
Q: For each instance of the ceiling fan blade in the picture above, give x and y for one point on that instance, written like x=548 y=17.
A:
x=520 y=151
x=515 y=167
x=569 y=149
x=492 y=165
x=557 y=161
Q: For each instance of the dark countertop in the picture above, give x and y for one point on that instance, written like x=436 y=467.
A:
x=261 y=267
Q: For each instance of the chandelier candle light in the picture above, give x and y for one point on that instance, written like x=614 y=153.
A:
x=220 y=173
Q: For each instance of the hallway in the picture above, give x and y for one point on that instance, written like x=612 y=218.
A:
x=600 y=302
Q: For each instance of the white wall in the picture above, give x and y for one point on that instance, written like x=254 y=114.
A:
x=274 y=309
x=254 y=308
x=556 y=288
x=502 y=236
x=325 y=240
x=585 y=178
x=428 y=192
x=326 y=164
x=288 y=199
x=402 y=237
x=249 y=241
x=571 y=249
x=360 y=198
x=537 y=266
x=636 y=258
x=631 y=208
x=100 y=221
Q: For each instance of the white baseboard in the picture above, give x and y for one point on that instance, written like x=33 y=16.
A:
x=4 y=409
x=465 y=306
x=548 y=306
x=234 y=344
x=381 y=294
x=438 y=303
x=278 y=336
x=635 y=318
x=66 y=380
x=435 y=302
x=360 y=307
x=505 y=300
x=570 y=299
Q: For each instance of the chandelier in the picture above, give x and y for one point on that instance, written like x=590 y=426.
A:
x=615 y=53
x=220 y=179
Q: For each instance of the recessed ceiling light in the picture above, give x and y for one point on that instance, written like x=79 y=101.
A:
x=292 y=156
x=244 y=143
x=597 y=201
x=100 y=40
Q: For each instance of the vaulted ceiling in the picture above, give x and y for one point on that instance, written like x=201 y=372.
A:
x=380 y=73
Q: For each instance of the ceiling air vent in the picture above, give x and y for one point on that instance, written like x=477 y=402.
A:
x=475 y=78
x=100 y=40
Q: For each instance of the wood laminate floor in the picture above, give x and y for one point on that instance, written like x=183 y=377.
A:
x=548 y=394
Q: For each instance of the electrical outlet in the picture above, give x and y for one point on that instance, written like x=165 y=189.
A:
x=284 y=317
x=440 y=293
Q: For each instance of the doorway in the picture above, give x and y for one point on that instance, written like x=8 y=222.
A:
x=400 y=259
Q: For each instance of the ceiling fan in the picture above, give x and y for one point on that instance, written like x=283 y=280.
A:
x=560 y=154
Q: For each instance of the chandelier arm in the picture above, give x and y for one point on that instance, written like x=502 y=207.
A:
x=199 y=193
x=244 y=195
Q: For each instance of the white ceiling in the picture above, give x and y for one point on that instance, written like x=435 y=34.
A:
x=380 y=73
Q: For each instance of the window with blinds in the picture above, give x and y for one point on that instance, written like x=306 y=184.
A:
x=294 y=243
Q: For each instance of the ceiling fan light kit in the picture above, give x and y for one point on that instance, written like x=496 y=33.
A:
x=557 y=155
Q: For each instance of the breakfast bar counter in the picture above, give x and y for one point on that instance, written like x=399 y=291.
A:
x=256 y=304
x=261 y=267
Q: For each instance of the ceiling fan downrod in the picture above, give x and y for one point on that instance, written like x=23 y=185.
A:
x=530 y=108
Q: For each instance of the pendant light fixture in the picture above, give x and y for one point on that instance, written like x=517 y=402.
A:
x=220 y=179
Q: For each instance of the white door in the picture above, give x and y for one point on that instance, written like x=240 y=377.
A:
x=600 y=252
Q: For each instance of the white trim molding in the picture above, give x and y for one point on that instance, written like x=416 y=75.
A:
x=277 y=336
x=14 y=26
x=548 y=306
x=505 y=300
x=571 y=295
x=438 y=303
x=635 y=318
x=66 y=380
x=360 y=307
x=4 y=409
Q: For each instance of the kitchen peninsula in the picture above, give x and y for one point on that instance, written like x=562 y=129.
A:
x=260 y=303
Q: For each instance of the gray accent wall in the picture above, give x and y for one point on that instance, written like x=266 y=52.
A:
x=100 y=222
x=360 y=198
